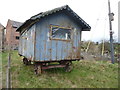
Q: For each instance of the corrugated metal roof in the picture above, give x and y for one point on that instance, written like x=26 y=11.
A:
x=33 y=19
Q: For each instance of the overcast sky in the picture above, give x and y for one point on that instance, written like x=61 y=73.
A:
x=94 y=12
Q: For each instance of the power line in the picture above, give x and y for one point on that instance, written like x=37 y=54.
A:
x=103 y=45
x=99 y=15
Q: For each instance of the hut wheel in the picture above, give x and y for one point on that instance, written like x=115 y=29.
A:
x=38 y=69
x=25 y=61
x=68 y=67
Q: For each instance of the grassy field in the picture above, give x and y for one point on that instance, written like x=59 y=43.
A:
x=85 y=74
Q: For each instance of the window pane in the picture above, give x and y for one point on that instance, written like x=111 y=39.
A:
x=61 y=33
x=17 y=37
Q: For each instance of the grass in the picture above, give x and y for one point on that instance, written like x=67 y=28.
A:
x=85 y=74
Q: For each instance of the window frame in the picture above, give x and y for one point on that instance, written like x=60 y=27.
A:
x=17 y=37
x=51 y=38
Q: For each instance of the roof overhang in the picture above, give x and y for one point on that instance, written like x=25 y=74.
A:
x=36 y=18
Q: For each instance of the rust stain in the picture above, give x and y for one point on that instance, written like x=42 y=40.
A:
x=69 y=54
x=74 y=53
x=44 y=49
x=45 y=45
x=50 y=50
x=34 y=44
x=74 y=47
x=56 y=48
x=78 y=50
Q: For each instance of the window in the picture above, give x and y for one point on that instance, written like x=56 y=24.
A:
x=17 y=37
x=61 y=33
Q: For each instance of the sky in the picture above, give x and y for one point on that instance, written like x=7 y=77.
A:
x=94 y=12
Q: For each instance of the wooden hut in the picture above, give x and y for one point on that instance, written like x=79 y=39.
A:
x=52 y=36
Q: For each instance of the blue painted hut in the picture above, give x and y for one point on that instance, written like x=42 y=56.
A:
x=52 y=36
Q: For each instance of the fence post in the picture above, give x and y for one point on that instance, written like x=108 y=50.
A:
x=8 y=72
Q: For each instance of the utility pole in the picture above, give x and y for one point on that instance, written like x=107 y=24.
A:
x=111 y=18
x=8 y=78
x=8 y=73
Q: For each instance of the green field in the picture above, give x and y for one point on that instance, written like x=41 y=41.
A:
x=85 y=74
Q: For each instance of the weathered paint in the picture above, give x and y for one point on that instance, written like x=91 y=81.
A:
x=26 y=43
x=50 y=49
x=36 y=44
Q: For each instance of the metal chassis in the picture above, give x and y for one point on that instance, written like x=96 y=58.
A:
x=39 y=66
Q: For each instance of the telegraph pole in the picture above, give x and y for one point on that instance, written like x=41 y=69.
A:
x=111 y=32
x=8 y=73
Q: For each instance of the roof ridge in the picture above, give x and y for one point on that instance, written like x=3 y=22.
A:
x=58 y=8
x=37 y=17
